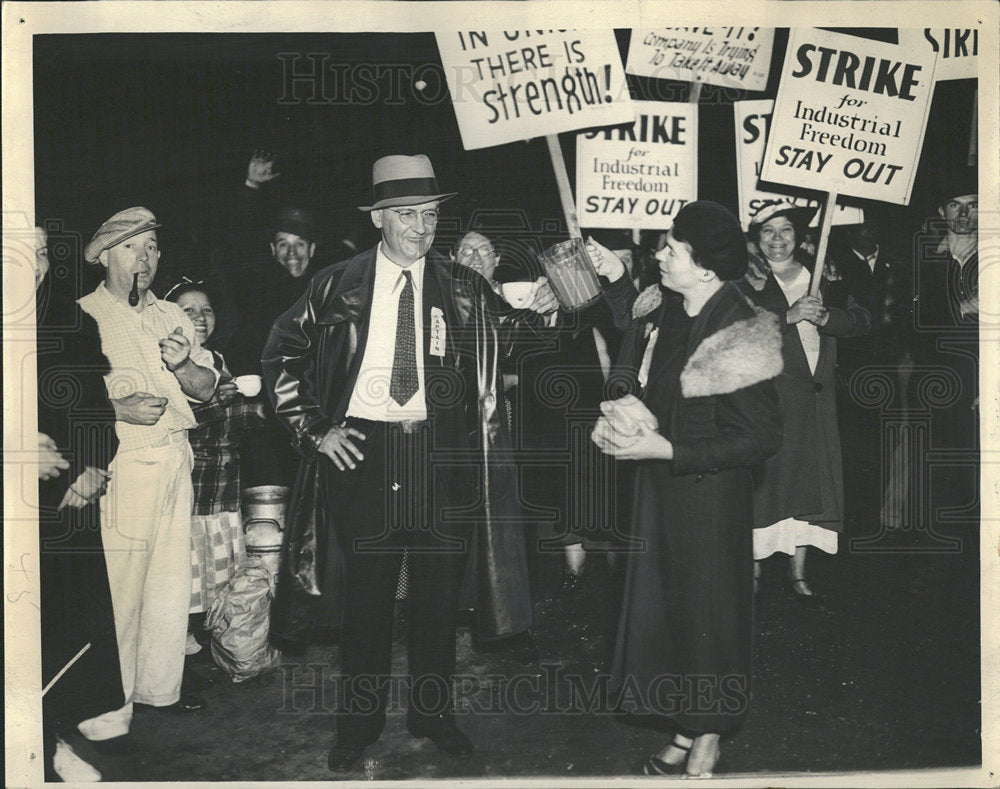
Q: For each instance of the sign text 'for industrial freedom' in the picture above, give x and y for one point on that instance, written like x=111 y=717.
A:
x=734 y=57
x=849 y=116
x=753 y=121
x=509 y=85
x=640 y=174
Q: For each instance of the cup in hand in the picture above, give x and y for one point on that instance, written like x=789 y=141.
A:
x=249 y=385
x=519 y=294
x=571 y=274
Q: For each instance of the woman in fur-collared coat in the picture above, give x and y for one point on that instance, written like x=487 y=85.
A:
x=708 y=415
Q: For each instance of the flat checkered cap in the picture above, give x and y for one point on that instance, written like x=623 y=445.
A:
x=122 y=226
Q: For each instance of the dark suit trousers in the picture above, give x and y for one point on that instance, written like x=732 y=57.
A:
x=392 y=501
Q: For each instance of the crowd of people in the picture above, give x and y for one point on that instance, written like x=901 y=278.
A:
x=441 y=424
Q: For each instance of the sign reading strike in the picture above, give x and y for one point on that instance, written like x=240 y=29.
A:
x=849 y=116
x=640 y=174
x=957 y=49
x=509 y=85
x=734 y=57
x=753 y=121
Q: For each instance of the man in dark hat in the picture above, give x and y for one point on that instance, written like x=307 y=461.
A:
x=946 y=323
x=262 y=290
x=952 y=261
x=269 y=283
x=157 y=365
x=374 y=372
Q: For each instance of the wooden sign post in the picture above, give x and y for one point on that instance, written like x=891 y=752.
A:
x=829 y=208
x=562 y=180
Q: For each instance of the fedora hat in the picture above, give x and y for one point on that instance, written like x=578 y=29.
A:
x=403 y=180
x=121 y=227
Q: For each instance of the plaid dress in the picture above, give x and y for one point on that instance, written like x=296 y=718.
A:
x=217 y=543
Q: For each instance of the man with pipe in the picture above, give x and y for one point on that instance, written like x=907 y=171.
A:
x=157 y=365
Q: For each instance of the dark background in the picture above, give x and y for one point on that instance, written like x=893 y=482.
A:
x=169 y=121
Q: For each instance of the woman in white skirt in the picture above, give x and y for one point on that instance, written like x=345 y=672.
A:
x=799 y=496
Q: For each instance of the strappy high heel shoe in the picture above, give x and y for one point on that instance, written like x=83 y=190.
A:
x=654 y=765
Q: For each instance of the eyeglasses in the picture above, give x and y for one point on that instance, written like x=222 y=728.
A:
x=409 y=216
x=468 y=252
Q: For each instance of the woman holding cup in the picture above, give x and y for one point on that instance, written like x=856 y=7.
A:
x=708 y=414
x=217 y=541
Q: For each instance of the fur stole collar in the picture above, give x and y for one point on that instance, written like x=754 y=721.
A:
x=740 y=355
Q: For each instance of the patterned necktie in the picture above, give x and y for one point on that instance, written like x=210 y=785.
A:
x=404 y=382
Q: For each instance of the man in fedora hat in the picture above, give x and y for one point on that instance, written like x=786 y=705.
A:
x=377 y=374
x=157 y=365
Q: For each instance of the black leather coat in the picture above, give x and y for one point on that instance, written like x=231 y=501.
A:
x=311 y=363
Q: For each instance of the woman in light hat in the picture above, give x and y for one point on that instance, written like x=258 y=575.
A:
x=799 y=497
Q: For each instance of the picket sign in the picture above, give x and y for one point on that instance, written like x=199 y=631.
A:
x=510 y=85
x=849 y=118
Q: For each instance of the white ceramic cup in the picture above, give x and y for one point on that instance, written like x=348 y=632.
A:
x=249 y=385
x=519 y=294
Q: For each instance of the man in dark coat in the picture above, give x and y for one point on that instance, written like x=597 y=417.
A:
x=946 y=323
x=374 y=372
x=879 y=282
x=80 y=665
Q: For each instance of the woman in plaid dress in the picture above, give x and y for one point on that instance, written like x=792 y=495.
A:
x=217 y=543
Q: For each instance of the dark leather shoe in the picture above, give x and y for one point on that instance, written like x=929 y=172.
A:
x=343 y=757
x=443 y=732
x=805 y=596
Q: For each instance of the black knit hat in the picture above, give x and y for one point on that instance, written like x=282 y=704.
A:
x=715 y=236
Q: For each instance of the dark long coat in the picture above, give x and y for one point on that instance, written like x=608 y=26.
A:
x=805 y=479
x=687 y=607
x=311 y=388
x=76 y=608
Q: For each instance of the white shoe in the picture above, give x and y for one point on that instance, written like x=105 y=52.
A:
x=191 y=646
x=70 y=767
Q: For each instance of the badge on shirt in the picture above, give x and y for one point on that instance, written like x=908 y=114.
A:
x=438 y=330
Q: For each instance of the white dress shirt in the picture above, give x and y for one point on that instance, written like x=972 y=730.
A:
x=370 y=398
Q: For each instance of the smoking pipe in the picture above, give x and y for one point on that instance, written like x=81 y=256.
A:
x=133 y=296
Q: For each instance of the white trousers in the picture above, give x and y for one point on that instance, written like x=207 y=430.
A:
x=146 y=527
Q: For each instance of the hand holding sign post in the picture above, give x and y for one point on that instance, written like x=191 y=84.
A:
x=849 y=118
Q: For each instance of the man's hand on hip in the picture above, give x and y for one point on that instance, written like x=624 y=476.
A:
x=338 y=446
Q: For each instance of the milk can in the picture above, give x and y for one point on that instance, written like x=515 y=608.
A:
x=264 y=509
